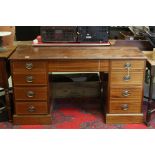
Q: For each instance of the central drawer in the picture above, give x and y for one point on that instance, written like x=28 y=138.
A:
x=31 y=108
x=78 y=65
x=30 y=93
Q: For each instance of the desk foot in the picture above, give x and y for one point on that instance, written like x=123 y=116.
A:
x=11 y=121
x=147 y=124
x=148 y=116
x=8 y=104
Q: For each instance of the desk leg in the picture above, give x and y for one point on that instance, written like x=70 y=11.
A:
x=148 y=114
x=6 y=88
x=8 y=106
x=103 y=90
x=101 y=77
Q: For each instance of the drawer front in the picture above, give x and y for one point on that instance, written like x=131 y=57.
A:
x=77 y=65
x=123 y=107
x=31 y=108
x=30 y=93
x=135 y=78
x=123 y=64
x=30 y=79
x=126 y=93
x=29 y=66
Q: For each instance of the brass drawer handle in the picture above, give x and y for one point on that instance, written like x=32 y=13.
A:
x=127 y=78
x=31 y=108
x=30 y=94
x=124 y=107
x=127 y=65
x=29 y=65
x=29 y=79
x=125 y=93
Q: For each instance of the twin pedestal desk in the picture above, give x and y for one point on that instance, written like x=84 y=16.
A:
x=125 y=67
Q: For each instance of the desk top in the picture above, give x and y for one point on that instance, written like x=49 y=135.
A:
x=150 y=57
x=6 y=53
x=76 y=52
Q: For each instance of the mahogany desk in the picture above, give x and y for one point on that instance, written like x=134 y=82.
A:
x=124 y=94
x=4 y=76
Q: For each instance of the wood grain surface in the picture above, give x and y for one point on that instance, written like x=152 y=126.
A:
x=29 y=52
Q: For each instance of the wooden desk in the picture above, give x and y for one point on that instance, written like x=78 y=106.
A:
x=30 y=67
x=4 y=75
x=151 y=66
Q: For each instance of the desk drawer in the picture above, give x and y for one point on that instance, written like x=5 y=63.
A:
x=78 y=65
x=135 y=78
x=31 y=108
x=30 y=93
x=29 y=66
x=125 y=107
x=30 y=79
x=122 y=64
x=126 y=93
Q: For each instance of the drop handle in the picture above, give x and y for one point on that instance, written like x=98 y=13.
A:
x=127 y=65
x=29 y=65
x=124 y=107
x=30 y=94
x=29 y=79
x=31 y=108
x=127 y=78
x=125 y=93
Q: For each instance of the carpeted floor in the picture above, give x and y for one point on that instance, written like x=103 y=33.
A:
x=84 y=113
